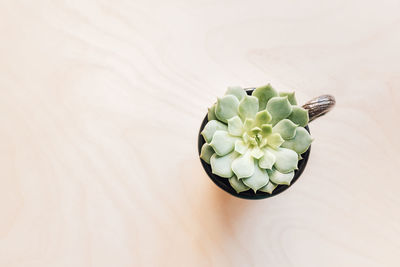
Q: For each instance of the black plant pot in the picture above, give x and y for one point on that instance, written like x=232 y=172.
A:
x=315 y=107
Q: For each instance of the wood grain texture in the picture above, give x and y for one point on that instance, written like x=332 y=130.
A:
x=100 y=105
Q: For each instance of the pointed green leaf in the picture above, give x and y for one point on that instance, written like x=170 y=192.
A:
x=227 y=107
x=286 y=128
x=223 y=143
x=299 y=116
x=211 y=127
x=264 y=142
x=255 y=131
x=268 y=160
x=243 y=166
x=249 y=139
x=275 y=140
x=291 y=97
x=268 y=188
x=248 y=107
x=258 y=179
x=266 y=129
x=257 y=153
x=264 y=94
x=237 y=91
x=241 y=147
x=235 y=126
x=238 y=185
x=281 y=178
x=248 y=124
x=262 y=117
x=301 y=141
x=211 y=113
x=286 y=159
x=279 y=108
x=206 y=152
x=221 y=166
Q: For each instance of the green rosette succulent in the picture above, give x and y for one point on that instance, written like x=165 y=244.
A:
x=255 y=140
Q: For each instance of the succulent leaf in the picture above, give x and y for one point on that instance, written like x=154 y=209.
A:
x=235 y=126
x=248 y=107
x=266 y=129
x=248 y=124
x=279 y=108
x=206 y=152
x=211 y=113
x=268 y=159
x=281 y=178
x=286 y=159
x=291 y=97
x=237 y=91
x=211 y=127
x=262 y=117
x=299 y=116
x=301 y=141
x=243 y=166
x=264 y=142
x=227 y=107
x=255 y=131
x=221 y=166
x=238 y=185
x=257 y=153
x=264 y=94
x=241 y=147
x=286 y=128
x=249 y=139
x=258 y=180
x=223 y=143
x=275 y=140
x=268 y=188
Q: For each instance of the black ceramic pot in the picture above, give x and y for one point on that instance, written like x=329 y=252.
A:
x=316 y=107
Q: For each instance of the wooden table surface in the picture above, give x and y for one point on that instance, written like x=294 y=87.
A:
x=100 y=106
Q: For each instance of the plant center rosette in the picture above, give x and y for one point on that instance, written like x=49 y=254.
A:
x=255 y=140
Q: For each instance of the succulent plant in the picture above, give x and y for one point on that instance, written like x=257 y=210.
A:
x=255 y=140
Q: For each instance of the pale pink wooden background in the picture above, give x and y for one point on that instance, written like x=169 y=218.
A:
x=100 y=104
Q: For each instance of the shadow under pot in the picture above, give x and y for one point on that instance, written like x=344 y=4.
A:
x=315 y=107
